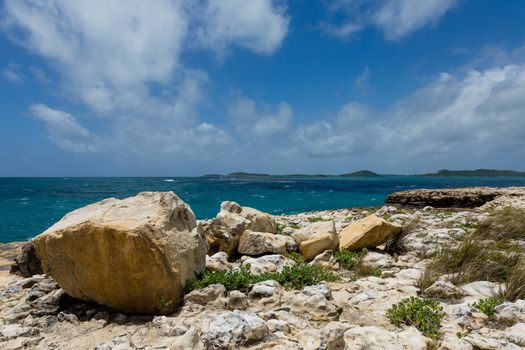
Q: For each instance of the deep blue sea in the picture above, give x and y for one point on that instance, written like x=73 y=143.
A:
x=29 y=205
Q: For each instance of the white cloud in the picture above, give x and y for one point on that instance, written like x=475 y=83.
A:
x=454 y=119
x=12 y=72
x=395 y=18
x=257 y=25
x=250 y=120
x=63 y=129
x=122 y=59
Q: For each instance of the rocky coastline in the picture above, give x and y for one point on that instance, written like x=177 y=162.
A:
x=334 y=279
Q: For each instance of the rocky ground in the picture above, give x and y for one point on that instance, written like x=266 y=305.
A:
x=350 y=313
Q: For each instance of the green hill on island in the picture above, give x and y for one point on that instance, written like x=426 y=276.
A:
x=361 y=173
x=478 y=173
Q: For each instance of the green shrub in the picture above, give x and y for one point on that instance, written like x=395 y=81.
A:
x=349 y=259
x=352 y=260
x=279 y=228
x=487 y=306
x=316 y=219
x=300 y=275
x=293 y=277
x=295 y=226
x=423 y=313
x=297 y=257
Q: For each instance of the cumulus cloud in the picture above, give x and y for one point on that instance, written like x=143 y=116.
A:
x=63 y=129
x=250 y=120
x=395 y=18
x=465 y=118
x=256 y=25
x=122 y=59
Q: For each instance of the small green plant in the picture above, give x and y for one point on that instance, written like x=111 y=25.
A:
x=295 y=226
x=487 y=306
x=165 y=302
x=348 y=259
x=316 y=219
x=279 y=228
x=461 y=335
x=293 y=277
x=300 y=275
x=352 y=260
x=423 y=313
x=297 y=257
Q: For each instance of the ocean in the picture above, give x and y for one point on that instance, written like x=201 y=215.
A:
x=30 y=205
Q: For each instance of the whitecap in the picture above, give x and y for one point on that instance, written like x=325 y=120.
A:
x=168 y=180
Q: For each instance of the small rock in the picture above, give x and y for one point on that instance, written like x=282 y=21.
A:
x=257 y=243
x=213 y=293
x=481 y=289
x=168 y=326
x=14 y=330
x=267 y=264
x=319 y=289
x=325 y=259
x=218 y=262
x=516 y=333
x=444 y=289
x=331 y=337
x=375 y=259
x=237 y=300
x=278 y=326
x=27 y=263
x=264 y=289
x=232 y=329
x=512 y=311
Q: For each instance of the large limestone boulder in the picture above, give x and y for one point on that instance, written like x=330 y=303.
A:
x=225 y=230
x=133 y=255
x=369 y=232
x=258 y=243
x=316 y=238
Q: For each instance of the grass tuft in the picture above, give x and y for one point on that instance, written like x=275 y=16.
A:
x=491 y=252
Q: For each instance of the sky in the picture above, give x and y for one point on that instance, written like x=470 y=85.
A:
x=186 y=88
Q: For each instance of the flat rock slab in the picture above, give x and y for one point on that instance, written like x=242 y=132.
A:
x=471 y=197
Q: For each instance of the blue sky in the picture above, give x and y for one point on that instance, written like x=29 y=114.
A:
x=168 y=87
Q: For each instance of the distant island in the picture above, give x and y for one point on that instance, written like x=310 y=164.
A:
x=368 y=173
x=241 y=174
x=477 y=173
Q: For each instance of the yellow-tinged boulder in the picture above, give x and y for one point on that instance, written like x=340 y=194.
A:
x=369 y=232
x=316 y=238
x=133 y=255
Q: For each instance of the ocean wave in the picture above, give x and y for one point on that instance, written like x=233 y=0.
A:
x=168 y=180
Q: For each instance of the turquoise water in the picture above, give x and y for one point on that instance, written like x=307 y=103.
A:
x=29 y=205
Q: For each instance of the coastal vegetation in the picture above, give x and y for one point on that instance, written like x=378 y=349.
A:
x=493 y=251
x=292 y=277
x=424 y=313
x=259 y=275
